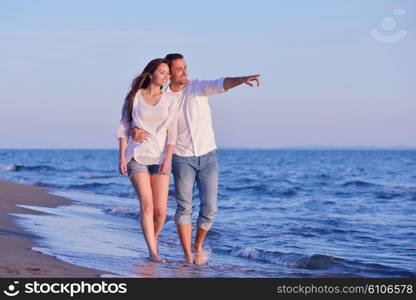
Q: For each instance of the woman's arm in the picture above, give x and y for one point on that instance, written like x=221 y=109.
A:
x=122 y=165
x=167 y=161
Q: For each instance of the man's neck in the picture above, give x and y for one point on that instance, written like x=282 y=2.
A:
x=177 y=87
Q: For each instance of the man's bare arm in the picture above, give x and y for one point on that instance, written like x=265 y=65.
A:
x=138 y=134
x=230 y=82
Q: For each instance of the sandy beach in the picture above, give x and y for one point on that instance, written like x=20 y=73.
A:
x=16 y=257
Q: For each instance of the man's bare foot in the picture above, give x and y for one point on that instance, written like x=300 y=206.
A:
x=200 y=258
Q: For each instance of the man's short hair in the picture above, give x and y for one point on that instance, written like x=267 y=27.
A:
x=172 y=56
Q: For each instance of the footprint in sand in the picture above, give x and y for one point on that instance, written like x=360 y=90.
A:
x=37 y=271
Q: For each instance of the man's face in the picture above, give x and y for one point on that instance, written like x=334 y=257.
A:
x=178 y=72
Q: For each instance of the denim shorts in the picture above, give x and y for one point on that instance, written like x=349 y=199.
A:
x=135 y=167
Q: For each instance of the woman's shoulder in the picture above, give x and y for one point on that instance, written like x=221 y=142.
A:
x=139 y=93
x=137 y=96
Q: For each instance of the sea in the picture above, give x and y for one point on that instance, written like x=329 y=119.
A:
x=284 y=213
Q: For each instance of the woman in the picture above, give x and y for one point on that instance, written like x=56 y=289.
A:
x=148 y=163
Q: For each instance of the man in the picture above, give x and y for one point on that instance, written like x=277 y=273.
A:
x=195 y=157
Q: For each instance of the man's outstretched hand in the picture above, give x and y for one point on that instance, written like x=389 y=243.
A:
x=137 y=134
x=249 y=79
x=231 y=82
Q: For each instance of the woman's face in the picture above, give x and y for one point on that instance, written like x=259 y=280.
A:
x=161 y=75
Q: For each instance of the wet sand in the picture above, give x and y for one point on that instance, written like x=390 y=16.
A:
x=16 y=257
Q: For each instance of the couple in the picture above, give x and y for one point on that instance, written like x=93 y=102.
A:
x=160 y=128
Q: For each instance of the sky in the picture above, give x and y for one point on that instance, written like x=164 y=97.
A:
x=326 y=79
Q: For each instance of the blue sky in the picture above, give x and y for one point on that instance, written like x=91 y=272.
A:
x=326 y=80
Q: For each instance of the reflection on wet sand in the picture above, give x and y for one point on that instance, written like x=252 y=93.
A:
x=169 y=269
x=147 y=270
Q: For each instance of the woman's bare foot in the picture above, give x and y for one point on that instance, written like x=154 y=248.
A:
x=189 y=259
x=200 y=258
x=156 y=258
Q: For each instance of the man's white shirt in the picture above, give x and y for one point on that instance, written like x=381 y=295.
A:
x=195 y=134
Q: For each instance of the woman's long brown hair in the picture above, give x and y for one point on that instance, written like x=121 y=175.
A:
x=140 y=82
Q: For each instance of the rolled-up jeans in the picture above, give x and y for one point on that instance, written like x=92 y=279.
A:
x=204 y=171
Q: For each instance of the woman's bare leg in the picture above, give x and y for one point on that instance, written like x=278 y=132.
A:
x=142 y=186
x=160 y=190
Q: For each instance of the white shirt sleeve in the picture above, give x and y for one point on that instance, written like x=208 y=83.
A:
x=172 y=131
x=209 y=87
x=123 y=128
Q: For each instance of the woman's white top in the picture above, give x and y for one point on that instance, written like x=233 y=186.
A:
x=159 y=121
